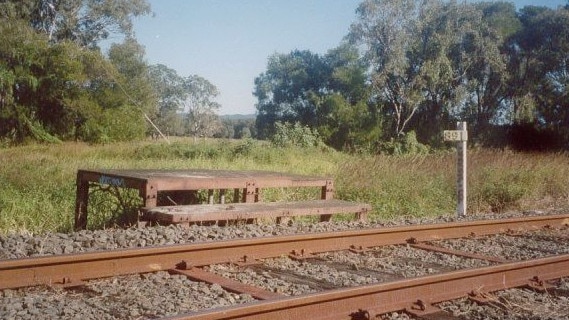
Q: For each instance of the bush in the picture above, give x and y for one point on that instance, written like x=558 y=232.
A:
x=295 y=135
x=112 y=125
x=405 y=144
x=501 y=191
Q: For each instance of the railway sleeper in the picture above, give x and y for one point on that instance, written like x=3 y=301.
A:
x=221 y=213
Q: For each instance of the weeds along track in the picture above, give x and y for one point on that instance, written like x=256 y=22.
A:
x=476 y=269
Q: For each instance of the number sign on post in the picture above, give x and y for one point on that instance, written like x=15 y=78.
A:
x=460 y=136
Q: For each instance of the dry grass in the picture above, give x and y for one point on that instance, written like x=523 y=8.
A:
x=426 y=185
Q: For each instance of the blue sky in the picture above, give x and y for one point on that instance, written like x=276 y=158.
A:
x=228 y=41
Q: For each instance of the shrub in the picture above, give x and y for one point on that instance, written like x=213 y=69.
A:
x=295 y=135
x=405 y=144
x=503 y=193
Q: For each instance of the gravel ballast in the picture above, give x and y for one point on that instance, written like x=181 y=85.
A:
x=160 y=294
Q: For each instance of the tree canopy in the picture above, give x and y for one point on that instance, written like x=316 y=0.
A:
x=84 y=22
x=406 y=70
x=417 y=67
x=56 y=84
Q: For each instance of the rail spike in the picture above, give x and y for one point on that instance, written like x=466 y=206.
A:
x=421 y=308
x=184 y=265
x=360 y=315
x=539 y=285
x=301 y=254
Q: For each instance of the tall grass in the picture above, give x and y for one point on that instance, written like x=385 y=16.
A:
x=399 y=185
x=37 y=182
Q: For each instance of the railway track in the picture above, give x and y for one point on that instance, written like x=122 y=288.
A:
x=356 y=274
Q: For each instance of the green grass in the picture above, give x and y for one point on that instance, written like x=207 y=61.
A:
x=37 y=182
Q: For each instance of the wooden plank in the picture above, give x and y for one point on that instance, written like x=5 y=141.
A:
x=241 y=211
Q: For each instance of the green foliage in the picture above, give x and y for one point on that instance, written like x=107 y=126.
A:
x=405 y=144
x=225 y=150
x=20 y=55
x=131 y=78
x=181 y=150
x=111 y=206
x=348 y=127
x=540 y=77
x=502 y=193
x=201 y=107
x=296 y=85
x=84 y=22
x=168 y=86
x=39 y=134
x=118 y=124
x=294 y=135
x=56 y=91
x=426 y=65
x=56 y=85
x=244 y=149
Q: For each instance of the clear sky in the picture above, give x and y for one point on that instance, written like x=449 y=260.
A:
x=228 y=41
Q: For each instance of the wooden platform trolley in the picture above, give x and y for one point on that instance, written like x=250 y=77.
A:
x=246 y=185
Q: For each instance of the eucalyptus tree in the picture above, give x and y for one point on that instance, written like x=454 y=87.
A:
x=540 y=68
x=125 y=104
x=554 y=108
x=201 y=107
x=84 y=22
x=488 y=79
x=424 y=57
x=387 y=29
x=169 y=89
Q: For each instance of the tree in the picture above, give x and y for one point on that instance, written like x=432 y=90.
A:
x=346 y=121
x=169 y=88
x=132 y=95
x=201 y=108
x=540 y=68
x=472 y=87
x=387 y=29
x=349 y=126
x=327 y=93
x=285 y=92
x=21 y=56
x=487 y=78
x=424 y=55
x=46 y=87
x=53 y=86
x=84 y=22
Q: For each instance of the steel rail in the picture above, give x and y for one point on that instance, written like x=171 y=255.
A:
x=77 y=267
x=366 y=302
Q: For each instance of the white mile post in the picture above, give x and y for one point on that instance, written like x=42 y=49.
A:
x=461 y=137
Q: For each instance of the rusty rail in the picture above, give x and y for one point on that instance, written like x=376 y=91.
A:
x=77 y=267
x=413 y=295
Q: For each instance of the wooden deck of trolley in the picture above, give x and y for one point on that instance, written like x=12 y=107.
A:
x=151 y=182
x=258 y=210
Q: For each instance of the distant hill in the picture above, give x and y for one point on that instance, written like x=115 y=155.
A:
x=238 y=117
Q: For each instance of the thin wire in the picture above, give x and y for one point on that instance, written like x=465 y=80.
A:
x=137 y=104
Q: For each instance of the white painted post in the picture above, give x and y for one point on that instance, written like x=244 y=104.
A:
x=460 y=136
x=461 y=171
